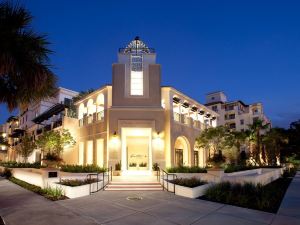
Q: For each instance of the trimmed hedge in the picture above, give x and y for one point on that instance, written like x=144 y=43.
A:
x=266 y=198
x=77 y=182
x=188 y=182
x=82 y=169
x=13 y=164
x=186 y=169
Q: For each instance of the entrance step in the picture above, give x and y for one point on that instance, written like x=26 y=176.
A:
x=134 y=186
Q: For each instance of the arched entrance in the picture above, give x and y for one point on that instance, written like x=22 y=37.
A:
x=182 y=149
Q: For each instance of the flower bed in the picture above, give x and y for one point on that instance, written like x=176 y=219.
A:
x=266 y=198
x=188 y=182
x=188 y=187
x=53 y=194
x=76 y=182
x=186 y=169
x=82 y=169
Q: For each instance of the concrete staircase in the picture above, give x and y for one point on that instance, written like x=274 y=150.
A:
x=133 y=186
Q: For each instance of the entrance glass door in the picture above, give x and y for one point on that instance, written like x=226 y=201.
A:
x=137 y=152
x=179 y=157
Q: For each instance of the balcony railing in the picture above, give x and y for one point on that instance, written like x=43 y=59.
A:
x=176 y=116
x=100 y=116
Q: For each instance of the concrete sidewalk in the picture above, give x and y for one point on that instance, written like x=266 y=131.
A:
x=289 y=211
x=19 y=206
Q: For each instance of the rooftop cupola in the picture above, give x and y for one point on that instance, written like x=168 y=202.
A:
x=136 y=46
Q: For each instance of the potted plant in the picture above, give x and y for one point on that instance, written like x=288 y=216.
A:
x=132 y=165
x=143 y=164
x=117 y=171
x=52 y=160
x=155 y=168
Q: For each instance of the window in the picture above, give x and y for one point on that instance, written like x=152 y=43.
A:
x=215 y=108
x=178 y=157
x=136 y=76
x=232 y=126
x=242 y=122
x=196 y=158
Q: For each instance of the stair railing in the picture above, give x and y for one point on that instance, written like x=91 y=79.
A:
x=163 y=178
x=106 y=179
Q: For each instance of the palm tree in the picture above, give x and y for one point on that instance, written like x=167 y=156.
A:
x=25 y=74
x=274 y=141
x=256 y=130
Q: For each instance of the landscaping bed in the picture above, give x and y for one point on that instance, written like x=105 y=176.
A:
x=82 y=169
x=13 y=164
x=186 y=169
x=265 y=198
x=188 y=187
x=77 y=182
x=53 y=194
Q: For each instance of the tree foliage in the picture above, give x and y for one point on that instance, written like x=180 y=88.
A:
x=26 y=147
x=53 y=142
x=25 y=74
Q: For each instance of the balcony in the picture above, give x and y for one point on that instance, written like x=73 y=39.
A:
x=100 y=116
x=57 y=124
x=176 y=116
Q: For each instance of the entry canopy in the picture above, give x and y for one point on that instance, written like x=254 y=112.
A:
x=136 y=46
x=54 y=110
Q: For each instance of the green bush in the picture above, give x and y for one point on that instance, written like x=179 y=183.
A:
x=155 y=167
x=82 y=169
x=266 y=198
x=13 y=164
x=118 y=166
x=188 y=182
x=77 y=182
x=186 y=169
x=54 y=194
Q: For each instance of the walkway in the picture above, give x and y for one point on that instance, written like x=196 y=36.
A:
x=19 y=206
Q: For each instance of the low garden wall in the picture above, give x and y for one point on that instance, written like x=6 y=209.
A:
x=256 y=176
x=187 y=191
x=78 y=191
x=202 y=176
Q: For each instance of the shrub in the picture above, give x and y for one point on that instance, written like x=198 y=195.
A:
x=77 y=182
x=132 y=164
x=82 y=169
x=118 y=166
x=143 y=164
x=188 y=182
x=186 y=169
x=155 y=167
x=265 y=198
x=53 y=194
x=14 y=164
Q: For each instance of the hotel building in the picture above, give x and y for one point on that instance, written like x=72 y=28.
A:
x=134 y=121
x=236 y=115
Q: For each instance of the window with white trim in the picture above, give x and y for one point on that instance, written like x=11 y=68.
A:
x=136 y=75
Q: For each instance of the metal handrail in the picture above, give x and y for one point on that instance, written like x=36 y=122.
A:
x=107 y=174
x=165 y=177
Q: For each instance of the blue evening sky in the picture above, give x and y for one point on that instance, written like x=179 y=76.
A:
x=248 y=49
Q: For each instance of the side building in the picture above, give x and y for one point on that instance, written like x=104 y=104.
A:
x=236 y=115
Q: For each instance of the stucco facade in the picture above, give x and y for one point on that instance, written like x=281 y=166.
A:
x=139 y=122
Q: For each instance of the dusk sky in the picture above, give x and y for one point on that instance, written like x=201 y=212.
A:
x=248 y=49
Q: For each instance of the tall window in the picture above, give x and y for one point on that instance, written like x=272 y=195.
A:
x=136 y=76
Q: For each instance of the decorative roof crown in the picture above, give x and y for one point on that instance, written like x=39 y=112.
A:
x=136 y=46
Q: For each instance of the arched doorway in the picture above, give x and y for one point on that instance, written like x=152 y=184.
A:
x=182 y=150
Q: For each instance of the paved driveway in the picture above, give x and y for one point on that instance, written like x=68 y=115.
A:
x=19 y=206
